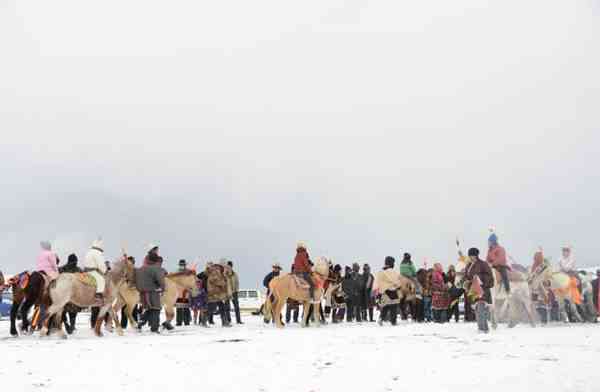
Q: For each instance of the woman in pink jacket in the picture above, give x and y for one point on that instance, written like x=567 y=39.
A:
x=46 y=261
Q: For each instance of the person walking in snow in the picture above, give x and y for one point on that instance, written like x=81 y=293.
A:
x=455 y=294
x=496 y=257
x=235 y=288
x=368 y=304
x=480 y=281
x=439 y=295
x=217 y=292
x=150 y=281
x=199 y=302
x=183 y=314
x=353 y=288
x=387 y=283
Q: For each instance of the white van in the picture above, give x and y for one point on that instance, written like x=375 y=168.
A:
x=250 y=300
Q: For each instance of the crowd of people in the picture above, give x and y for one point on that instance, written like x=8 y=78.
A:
x=349 y=294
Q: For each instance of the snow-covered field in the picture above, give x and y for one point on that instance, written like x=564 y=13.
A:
x=255 y=357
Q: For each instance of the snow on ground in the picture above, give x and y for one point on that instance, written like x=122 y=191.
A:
x=256 y=357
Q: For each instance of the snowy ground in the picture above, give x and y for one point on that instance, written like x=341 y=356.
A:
x=255 y=357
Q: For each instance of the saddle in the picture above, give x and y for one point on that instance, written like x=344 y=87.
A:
x=21 y=281
x=86 y=279
x=300 y=283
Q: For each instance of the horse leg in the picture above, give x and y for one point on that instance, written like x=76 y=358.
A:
x=492 y=315
x=14 y=310
x=575 y=311
x=562 y=309
x=25 y=308
x=170 y=314
x=54 y=309
x=306 y=314
x=278 y=308
x=100 y=320
x=115 y=319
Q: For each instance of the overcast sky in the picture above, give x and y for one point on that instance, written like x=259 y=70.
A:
x=235 y=128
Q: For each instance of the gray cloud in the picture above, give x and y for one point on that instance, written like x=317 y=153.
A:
x=364 y=129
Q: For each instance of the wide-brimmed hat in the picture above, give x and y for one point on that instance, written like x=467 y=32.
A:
x=277 y=265
x=151 y=247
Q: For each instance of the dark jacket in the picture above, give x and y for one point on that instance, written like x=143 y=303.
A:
x=69 y=268
x=368 y=280
x=269 y=278
x=353 y=285
x=483 y=270
x=595 y=284
x=150 y=280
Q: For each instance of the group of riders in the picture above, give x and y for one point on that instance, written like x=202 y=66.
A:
x=426 y=294
x=487 y=286
x=139 y=294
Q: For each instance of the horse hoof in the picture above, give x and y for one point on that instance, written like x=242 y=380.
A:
x=120 y=333
x=44 y=332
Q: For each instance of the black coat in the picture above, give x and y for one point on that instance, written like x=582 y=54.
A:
x=70 y=268
x=353 y=285
x=150 y=280
x=269 y=278
x=595 y=291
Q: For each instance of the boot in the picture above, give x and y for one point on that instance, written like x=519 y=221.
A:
x=154 y=317
x=167 y=325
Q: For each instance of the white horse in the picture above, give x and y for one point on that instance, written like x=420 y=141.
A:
x=507 y=306
x=513 y=306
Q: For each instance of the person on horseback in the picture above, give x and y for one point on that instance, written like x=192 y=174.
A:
x=46 y=261
x=303 y=266
x=94 y=264
x=497 y=258
x=408 y=270
x=152 y=255
x=567 y=262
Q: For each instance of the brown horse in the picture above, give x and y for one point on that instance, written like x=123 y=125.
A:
x=130 y=296
x=68 y=288
x=285 y=286
x=27 y=291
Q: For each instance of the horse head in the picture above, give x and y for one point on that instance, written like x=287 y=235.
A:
x=120 y=271
x=321 y=266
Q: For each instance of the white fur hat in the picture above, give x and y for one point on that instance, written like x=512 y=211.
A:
x=301 y=245
x=98 y=243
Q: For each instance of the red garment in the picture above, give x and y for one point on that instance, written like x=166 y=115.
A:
x=301 y=262
x=497 y=256
x=440 y=299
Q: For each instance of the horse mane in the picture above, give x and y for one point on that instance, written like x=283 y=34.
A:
x=178 y=274
x=116 y=273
